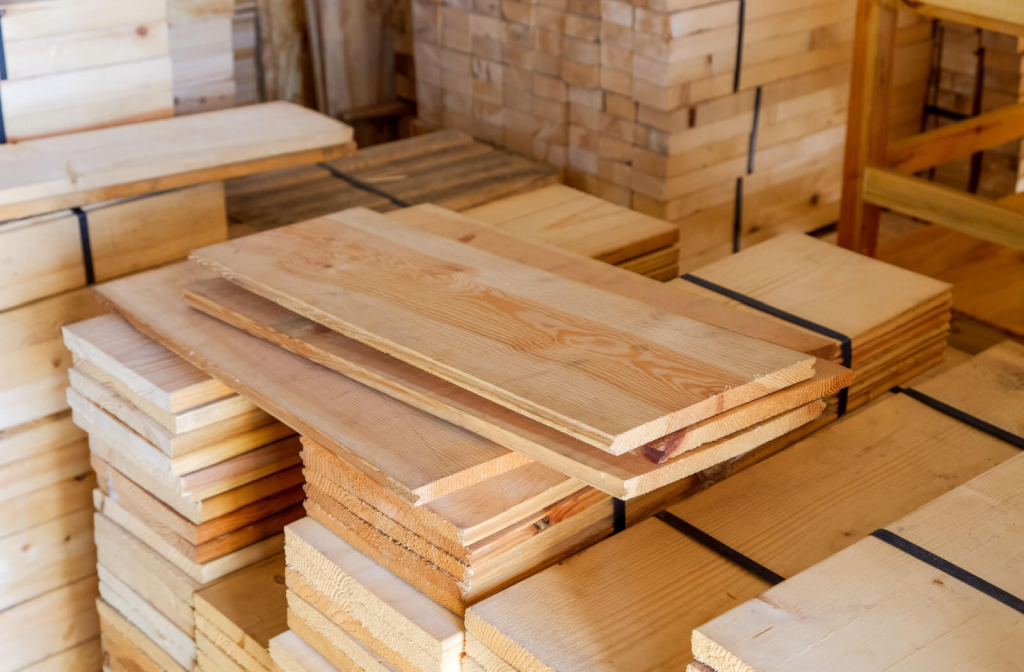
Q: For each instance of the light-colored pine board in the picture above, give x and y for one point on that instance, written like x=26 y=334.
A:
x=640 y=412
x=37 y=436
x=331 y=641
x=85 y=657
x=294 y=655
x=49 y=624
x=132 y=642
x=73 y=170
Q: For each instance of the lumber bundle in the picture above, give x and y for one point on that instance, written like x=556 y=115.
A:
x=236 y=618
x=194 y=483
x=605 y=609
x=897 y=322
x=49 y=258
x=978 y=71
x=654 y=105
x=202 y=54
x=75 y=65
x=446 y=168
x=245 y=44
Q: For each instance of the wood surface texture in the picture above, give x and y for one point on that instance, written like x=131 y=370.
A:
x=572 y=353
x=82 y=168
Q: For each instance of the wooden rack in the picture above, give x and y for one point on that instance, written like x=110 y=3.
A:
x=878 y=175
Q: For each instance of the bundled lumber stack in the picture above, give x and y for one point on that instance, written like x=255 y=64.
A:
x=576 y=221
x=694 y=112
x=75 y=65
x=895 y=322
x=202 y=54
x=62 y=232
x=236 y=618
x=978 y=71
x=605 y=609
x=245 y=53
x=194 y=483
x=446 y=168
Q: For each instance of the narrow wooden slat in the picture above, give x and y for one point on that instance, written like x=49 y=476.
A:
x=1001 y=16
x=945 y=206
x=559 y=343
x=957 y=140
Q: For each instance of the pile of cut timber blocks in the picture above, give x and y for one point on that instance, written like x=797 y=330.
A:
x=78 y=209
x=685 y=110
x=427 y=493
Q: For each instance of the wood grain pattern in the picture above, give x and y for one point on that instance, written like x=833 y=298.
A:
x=73 y=170
x=561 y=348
x=426 y=459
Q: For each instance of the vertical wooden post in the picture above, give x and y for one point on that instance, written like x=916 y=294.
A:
x=867 y=133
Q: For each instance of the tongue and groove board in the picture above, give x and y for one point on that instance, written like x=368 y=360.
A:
x=874 y=607
x=788 y=513
x=612 y=372
x=73 y=170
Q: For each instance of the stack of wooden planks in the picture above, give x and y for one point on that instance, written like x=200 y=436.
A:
x=236 y=618
x=977 y=71
x=725 y=117
x=194 y=483
x=604 y=609
x=446 y=168
x=62 y=232
x=75 y=65
x=202 y=54
x=245 y=43
x=895 y=323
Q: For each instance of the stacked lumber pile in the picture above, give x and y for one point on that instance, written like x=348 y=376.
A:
x=194 y=483
x=74 y=65
x=60 y=233
x=202 y=54
x=694 y=112
x=245 y=46
x=237 y=617
x=978 y=71
x=730 y=543
x=896 y=322
x=446 y=168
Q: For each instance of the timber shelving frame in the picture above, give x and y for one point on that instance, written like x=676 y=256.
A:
x=877 y=175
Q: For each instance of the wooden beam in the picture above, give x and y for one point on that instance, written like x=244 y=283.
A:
x=1001 y=16
x=964 y=138
x=942 y=205
x=868 y=126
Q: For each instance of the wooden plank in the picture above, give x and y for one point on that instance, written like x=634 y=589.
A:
x=616 y=418
x=945 y=206
x=49 y=624
x=21 y=477
x=957 y=140
x=425 y=460
x=93 y=166
x=84 y=657
x=975 y=526
x=1001 y=16
x=335 y=644
x=131 y=642
x=292 y=654
x=47 y=504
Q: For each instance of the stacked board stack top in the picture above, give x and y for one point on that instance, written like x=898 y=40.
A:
x=732 y=542
x=78 y=209
x=727 y=118
x=75 y=65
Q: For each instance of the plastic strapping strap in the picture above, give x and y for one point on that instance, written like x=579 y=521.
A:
x=727 y=552
x=618 y=515
x=966 y=418
x=737 y=217
x=3 y=76
x=845 y=344
x=957 y=572
x=356 y=182
x=739 y=47
x=83 y=233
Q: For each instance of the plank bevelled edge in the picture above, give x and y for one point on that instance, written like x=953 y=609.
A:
x=41 y=205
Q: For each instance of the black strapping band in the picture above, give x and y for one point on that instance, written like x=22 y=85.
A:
x=737 y=214
x=3 y=76
x=727 y=552
x=966 y=418
x=356 y=182
x=739 y=47
x=957 y=572
x=83 y=233
x=952 y=115
x=618 y=515
x=845 y=344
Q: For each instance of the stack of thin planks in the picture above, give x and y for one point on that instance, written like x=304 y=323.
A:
x=165 y=203
x=194 y=483
x=895 y=322
x=75 y=65
x=727 y=118
x=236 y=618
x=446 y=168
x=202 y=54
x=605 y=609
x=576 y=221
x=245 y=44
